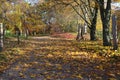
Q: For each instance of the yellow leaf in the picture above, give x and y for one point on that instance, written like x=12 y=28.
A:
x=100 y=67
x=33 y=75
x=22 y=75
x=48 y=77
x=79 y=76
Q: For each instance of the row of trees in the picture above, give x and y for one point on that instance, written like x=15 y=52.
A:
x=88 y=12
x=33 y=16
x=42 y=15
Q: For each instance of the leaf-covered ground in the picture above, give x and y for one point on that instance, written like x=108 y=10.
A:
x=46 y=58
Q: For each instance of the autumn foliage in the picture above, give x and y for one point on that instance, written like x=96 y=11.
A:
x=57 y=56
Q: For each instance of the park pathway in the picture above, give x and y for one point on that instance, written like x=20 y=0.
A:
x=52 y=59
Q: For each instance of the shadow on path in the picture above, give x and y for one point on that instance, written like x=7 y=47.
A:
x=58 y=59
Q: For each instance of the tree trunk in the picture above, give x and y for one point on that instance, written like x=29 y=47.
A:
x=114 y=32
x=18 y=38
x=105 y=17
x=92 y=33
x=80 y=32
x=26 y=33
x=93 y=25
x=1 y=37
x=106 y=35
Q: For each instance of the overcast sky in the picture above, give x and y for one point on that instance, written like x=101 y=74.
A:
x=116 y=5
x=32 y=1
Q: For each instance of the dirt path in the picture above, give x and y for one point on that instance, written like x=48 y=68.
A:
x=52 y=59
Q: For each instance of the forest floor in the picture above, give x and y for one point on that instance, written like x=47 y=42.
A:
x=48 y=58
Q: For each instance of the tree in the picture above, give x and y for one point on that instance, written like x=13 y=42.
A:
x=84 y=8
x=105 y=12
x=3 y=18
x=1 y=37
x=80 y=32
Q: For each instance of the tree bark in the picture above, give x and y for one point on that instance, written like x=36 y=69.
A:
x=105 y=17
x=80 y=32
x=92 y=33
x=1 y=37
x=106 y=35
x=114 y=32
x=26 y=33
x=93 y=25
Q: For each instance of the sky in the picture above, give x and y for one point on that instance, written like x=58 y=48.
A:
x=32 y=1
x=116 y=6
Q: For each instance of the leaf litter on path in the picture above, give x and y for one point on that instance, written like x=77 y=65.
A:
x=59 y=59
